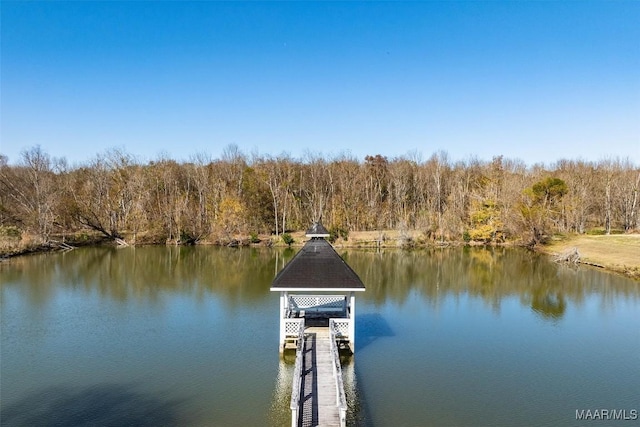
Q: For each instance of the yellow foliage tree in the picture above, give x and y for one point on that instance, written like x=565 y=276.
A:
x=486 y=222
x=231 y=215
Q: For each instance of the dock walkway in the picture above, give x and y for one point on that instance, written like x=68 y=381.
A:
x=318 y=387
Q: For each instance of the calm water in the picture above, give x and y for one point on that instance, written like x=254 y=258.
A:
x=188 y=336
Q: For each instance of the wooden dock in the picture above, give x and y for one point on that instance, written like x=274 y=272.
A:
x=321 y=401
x=316 y=325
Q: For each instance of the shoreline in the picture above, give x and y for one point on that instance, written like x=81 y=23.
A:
x=619 y=253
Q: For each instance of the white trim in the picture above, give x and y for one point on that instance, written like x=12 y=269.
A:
x=352 y=322
x=317 y=289
x=283 y=302
x=317 y=235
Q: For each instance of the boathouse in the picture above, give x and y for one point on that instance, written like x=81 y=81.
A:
x=317 y=285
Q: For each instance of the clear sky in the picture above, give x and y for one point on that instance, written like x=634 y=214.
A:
x=537 y=80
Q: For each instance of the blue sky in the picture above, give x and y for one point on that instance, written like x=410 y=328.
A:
x=537 y=81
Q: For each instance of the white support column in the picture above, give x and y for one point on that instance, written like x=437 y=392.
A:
x=352 y=321
x=285 y=310
x=283 y=296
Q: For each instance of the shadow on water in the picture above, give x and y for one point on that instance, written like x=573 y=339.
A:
x=99 y=405
x=371 y=326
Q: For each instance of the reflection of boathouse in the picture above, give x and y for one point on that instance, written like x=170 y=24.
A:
x=317 y=285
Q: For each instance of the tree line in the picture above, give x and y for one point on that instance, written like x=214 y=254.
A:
x=216 y=200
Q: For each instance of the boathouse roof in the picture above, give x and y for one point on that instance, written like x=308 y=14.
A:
x=317 y=230
x=317 y=267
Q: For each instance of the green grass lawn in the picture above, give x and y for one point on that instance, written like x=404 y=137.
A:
x=618 y=252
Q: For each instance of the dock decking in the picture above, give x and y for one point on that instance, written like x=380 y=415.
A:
x=319 y=389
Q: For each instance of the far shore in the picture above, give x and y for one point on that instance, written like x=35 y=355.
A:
x=615 y=252
x=618 y=253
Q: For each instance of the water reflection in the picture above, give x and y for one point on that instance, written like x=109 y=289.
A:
x=357 y=414
x=280 y=414
x=547 y=303
x=201 y=322
x=100 y=405
x=490 y=274
x=239 y=275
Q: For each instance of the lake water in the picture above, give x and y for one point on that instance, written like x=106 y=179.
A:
x=188 y=336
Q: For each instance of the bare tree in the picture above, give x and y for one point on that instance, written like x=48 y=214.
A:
x=348 y=200
x=625 y=187
x=607 y=172
x=186 y=202
x=277 y=174
x=438 y=166
x=32 y=188
x=317 y=184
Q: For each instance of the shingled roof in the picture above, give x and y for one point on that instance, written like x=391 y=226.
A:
x=318 y=267
x=317 y=230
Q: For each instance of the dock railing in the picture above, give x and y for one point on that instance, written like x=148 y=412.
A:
x=341 y=400
x=297 y=374
x=335 y=305
x=341 y=328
